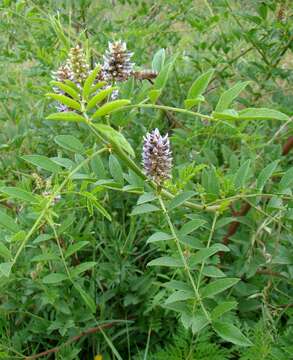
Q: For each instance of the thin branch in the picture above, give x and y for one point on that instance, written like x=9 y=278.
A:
x=71 y=340
x=235 y=224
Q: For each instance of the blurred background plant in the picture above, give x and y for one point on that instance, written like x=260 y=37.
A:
x=112 y=305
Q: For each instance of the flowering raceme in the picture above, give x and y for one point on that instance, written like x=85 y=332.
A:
x=157 y=156
x=75 y=69
x=78 y=64
x=117 y=65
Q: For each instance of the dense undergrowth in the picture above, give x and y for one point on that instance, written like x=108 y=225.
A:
x=103 y=254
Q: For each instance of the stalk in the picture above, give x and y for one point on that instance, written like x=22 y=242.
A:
x=186 y=267
x=48 y=204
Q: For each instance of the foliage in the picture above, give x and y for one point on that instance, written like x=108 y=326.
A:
x=202 y=348
x=96 y=257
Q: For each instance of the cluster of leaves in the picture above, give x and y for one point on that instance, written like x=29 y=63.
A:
x=95 y=257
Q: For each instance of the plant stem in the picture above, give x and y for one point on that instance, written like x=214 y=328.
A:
x=132 y=165
x=51 y=223
x=49 y=202
x=186 y=267
x=169 y=108
x=73 y=339
x=208 y=245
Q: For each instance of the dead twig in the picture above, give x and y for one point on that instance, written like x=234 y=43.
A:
x=71 y=340
x=235 y=224
x=288 y=146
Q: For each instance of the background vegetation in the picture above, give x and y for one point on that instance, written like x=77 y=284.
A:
x=74 y=274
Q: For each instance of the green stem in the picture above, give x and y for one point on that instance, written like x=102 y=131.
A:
x=249 y=39
x=51 y=223
x=169 y=108
x=186 y=267
x=132 y=165
x=208 y=245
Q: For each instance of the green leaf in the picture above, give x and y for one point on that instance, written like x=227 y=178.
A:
x=86 y=298
x=134 y=189
x=72 y=84
x=73 y=248
x=116 y=169
x=93 y=200
x=58 y=28
x=213 y=271
x=177 y=285
x=198 y=322
x=191 y=226
x=276 y=203
x=54 y=278
x=159 y=60
x=180 y=199
x=200 y=84
x=263 y=10
x=222 y=308
x=67 y=89
x=5 y=268
x=189 y=103
x=265 y=174
x=286 y=180
x=166 y=261
x=82 y=268
x=18 y=193
x=5 y=252
x=102 y=210
x=179 y=296
x=7 y=222
x=228 y=114
x=159 y=236
x=98 y=167
x=161 y=79
x=205 y=253
x=42 y=237
x=210 y=181
x=66 y=101
x=262 y=114
x=100 y=96
x=115 y=138
x=108 y=183
x=144 y=208
x=64 y=162
x=98 y=86
x=242 y=174
x=66 y=116
x=70 y=143
x=154 y=94
x=217 y=287
x=231 y=333
x=109 y=107
x=45 y=257
x=146 y=197
x=191 y=242
x=180 y=307
x=42 y=162
x=228 y=96
x=87 y=87
x=224 y=221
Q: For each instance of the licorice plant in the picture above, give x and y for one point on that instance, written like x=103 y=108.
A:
x=199 y=291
